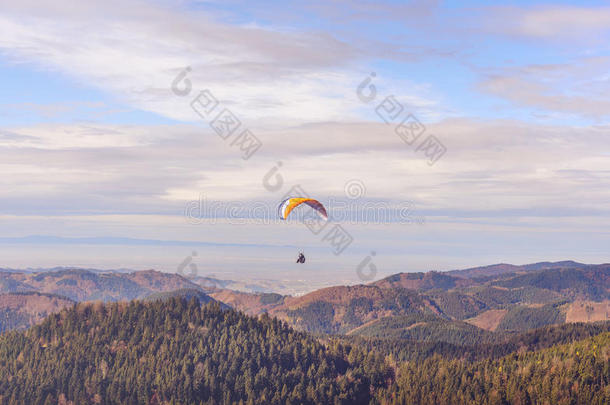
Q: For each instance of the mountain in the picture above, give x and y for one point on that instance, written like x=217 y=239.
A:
x=249 y=303
x=484 y=271
x=424 y=281
x=470 y=345
x=424 y=328
x=503 y=268
x=85 y=285
x=186 y=294
x=30 y=296
x=509 y=301
x=177 y=351
x=342 y=344
x=24 y=309
x=166 y=351
x=505 y=302
x=566 y=264
x=341 y=309
x=589 y=282
x=574 y=373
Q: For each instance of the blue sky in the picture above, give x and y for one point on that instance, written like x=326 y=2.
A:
x=95 y=144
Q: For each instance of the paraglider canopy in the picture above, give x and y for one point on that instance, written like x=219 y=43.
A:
x=289 y=204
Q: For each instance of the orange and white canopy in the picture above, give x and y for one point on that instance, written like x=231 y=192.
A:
x=289 y=204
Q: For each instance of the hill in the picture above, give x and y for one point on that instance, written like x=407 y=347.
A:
x=29 y=296
x=507 y=302
x=423 y=281
x=249 y=303
x=425 y=328
x=85 y=285
x=186 y=294
x=574 y=373
x=504 y=268
x=341 y=309
x=24 y=309
x=460 y=346
x=171 y=350
x=174 y=351
x=590 y=282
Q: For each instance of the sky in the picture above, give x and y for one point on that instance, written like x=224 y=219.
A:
x=440 y=135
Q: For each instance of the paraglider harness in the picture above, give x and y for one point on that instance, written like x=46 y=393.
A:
x=301 y=258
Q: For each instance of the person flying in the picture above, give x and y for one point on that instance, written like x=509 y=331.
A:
x=289 y=204
x=301 y=258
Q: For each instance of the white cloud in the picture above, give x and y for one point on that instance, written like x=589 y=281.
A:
x=579 y=88
x=493 y=166
x=134 y=50
x=296 y=91
x=552 y=22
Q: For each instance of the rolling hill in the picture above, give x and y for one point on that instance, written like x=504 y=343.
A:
x=495 y=270
x=27 y=297
x=509 y=301
x=86 y=285
x=341 y=309
x=24 y=309
x=177 y=351
x=500 y=296
x=171 y=350
x=573 y=373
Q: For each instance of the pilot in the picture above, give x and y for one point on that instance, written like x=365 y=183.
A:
x=301 y=258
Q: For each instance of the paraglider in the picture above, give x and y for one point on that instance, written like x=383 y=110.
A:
x=301 y=258
x=290 y=204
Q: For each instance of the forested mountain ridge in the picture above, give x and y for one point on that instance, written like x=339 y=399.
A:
x=508 y=302
x=575 y=373
x=170 y=351
x=28 y=297
x=341 y=309
x=503 y=268
x=174 y=351
x=471 y=345
x=21 y=310
x=502 y=300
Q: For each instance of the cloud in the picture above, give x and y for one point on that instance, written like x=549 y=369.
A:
x=556 y=23
x=134 y=50
x=578 y=88
x=489 y=166
x=57 y=111
x=295 y=89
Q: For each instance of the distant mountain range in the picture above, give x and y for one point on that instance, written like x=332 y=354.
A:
x=500 y=297
x=174 y=350
x=503 y=268
x=27 y=297
x=86 y=285
x=489 y=334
